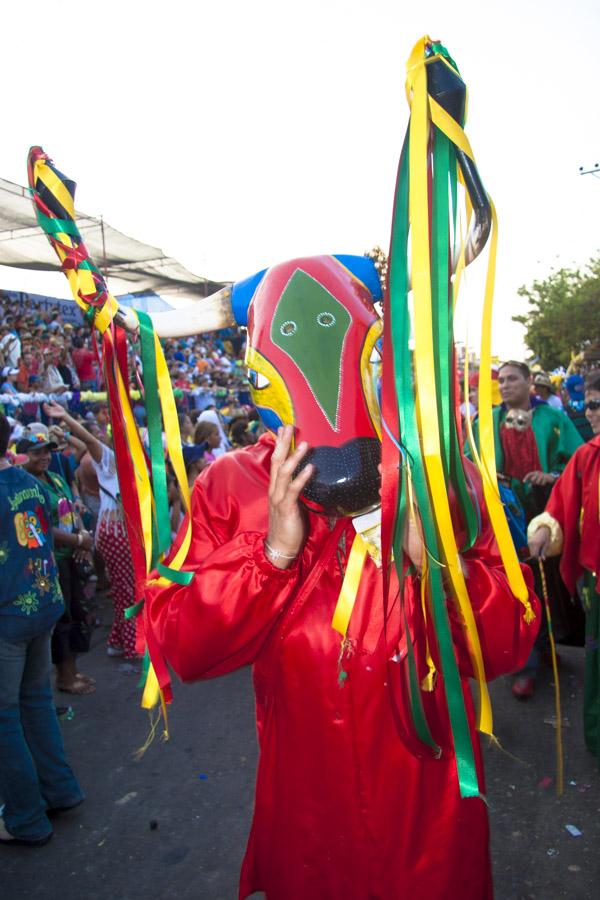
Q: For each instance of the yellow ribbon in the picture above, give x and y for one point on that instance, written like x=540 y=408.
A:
x=347 y=596
x=425 y=370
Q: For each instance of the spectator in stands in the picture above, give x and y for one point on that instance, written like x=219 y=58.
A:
x=545 y=390
x=53 y=380
x=10 y=344
x=84 y=361
x=67 y=370
x=186 y=428
x=25 y=370
x=207 y=434
x=8 y=385
x=223 y=445
x=35 y=777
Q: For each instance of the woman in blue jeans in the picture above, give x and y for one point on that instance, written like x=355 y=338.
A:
x=35 y=778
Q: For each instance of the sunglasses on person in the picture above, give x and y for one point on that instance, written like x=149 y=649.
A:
x=592 y=405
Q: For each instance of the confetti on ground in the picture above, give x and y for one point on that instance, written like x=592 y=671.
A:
x=572 y=782
x=126 y=798
x=583 y=788
x=551 y=720
x=573 y=830
x=552 y=851
x=545 y=782
x=203 y=777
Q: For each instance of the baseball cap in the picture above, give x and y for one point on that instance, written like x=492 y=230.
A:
x=8 y=370
x=35 y=442
x=193 y=452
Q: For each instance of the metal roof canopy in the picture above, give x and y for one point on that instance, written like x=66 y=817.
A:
x=129 y=265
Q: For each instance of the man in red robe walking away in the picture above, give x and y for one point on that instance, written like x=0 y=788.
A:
x=571 y=524
x=343 y=809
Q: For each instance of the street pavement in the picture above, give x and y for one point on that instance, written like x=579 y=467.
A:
x=174 y=824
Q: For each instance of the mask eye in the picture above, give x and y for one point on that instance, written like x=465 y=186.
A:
x=326 y=319
x=288 y=328
x=257 y=380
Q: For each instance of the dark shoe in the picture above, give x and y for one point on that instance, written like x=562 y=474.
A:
x=523 y=687
x=57 y=810
x=7 y=838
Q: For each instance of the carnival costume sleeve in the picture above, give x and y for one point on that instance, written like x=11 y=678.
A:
x=220 y=620
x=572 y=515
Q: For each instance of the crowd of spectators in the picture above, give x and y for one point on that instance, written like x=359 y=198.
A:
x=52 y=392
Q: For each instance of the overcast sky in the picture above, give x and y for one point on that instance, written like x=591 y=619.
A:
x=235 y=135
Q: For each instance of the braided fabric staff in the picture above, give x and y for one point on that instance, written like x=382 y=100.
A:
x=142 y=476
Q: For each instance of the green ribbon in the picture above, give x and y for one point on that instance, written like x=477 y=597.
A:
x=399 y=289
x=444 y=168
x=57 y=226
x=183 y=578
x=145 y=669
x=134 y=610
x=162 y=520
x=404 y=377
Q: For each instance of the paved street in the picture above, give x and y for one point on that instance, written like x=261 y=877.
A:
x=174 y=825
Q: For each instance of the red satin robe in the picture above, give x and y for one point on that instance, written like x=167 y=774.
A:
x=574 y=503
x=342 y=811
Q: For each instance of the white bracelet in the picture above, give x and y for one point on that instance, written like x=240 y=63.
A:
x=277 y=554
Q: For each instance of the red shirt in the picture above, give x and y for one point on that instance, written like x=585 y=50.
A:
x=520 y=452
x=84 y=360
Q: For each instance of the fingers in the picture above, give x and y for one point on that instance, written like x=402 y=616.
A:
x=283 y=465
x=282 y=448
x=283 y=479
x=296 y=486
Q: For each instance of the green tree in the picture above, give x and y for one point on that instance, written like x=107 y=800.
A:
x=563 y=315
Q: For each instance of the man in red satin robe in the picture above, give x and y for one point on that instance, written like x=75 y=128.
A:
x=343 y=809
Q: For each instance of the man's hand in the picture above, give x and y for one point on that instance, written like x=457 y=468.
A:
x=287 y=526
x=540 y=478
x=54 y=410
x=539 y=541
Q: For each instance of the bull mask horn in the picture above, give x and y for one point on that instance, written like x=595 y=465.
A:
x=445 y=85
x=207 y=314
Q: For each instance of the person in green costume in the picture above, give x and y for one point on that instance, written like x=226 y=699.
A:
x=533 y=444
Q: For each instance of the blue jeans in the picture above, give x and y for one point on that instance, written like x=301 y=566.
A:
x=34 y=773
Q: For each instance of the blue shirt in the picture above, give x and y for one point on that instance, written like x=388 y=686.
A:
x=30 y=596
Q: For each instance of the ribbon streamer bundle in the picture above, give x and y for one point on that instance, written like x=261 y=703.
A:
x=142 y=476
x=419 y=393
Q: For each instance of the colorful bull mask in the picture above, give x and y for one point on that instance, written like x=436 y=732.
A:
x=313 y=363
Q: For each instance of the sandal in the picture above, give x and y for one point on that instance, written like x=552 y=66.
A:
x=87 y=678
x=78 y=686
